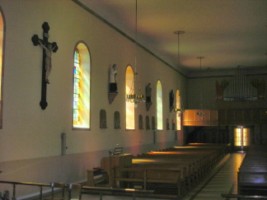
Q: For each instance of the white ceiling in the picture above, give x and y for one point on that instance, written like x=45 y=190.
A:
x=227 y=33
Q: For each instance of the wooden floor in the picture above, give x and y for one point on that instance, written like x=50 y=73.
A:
x=222 y=179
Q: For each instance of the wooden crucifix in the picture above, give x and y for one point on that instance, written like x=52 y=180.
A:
x=48 y=49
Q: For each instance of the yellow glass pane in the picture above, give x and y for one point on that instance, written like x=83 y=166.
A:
x=241 y=137
x=130 y=107
x=81 y=87
x=159 y=107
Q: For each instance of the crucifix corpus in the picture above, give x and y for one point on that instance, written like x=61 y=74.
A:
x=48 y=49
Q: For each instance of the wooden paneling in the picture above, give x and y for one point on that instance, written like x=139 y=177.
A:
x=246 y=116
x=199 y=117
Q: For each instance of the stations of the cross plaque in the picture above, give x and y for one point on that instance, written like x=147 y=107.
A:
x=48 y=49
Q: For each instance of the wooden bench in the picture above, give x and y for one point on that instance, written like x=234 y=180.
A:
x=190 y=168
x=199 y=159
x=252 y=175
x=198 y=165
x=114 y=161
x=150 y=177
x=174 y=170
x=97 y=177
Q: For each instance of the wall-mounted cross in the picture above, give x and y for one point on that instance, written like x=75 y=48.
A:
x=48 y=49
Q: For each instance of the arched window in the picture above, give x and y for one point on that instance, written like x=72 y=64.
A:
x=178 y=110
x=129 y=86
x=159 y=106
x=81 y=87
x=2 y=28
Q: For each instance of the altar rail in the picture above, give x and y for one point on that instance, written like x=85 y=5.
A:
x=85 y=189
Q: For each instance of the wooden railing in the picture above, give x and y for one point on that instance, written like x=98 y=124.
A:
x=85 y=189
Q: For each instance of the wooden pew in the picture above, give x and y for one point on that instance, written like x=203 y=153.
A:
x=140 y=173
x=151 y=177
x=200 y=164
x=97 y=177
x=110 y=163
x=173 y=169
x=192 y=167
x=252 y=175
x=202 y=158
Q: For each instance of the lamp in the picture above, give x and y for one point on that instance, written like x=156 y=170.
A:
x=200 y=67
x=201 y=113
x=177 y=109
x=133 y=96
x=200 y=116
x=178 y=33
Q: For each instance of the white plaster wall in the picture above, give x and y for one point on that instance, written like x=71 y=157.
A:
x=31 y=135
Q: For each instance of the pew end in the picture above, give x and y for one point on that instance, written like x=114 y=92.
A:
x=97 y=177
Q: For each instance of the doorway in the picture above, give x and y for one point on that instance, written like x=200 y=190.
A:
x=241 y=138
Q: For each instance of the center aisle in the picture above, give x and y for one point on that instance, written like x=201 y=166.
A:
x=223 y=179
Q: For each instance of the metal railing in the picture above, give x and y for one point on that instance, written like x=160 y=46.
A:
x=239 y=196
x=109 y=190
x=85 y=189
x=15 y=183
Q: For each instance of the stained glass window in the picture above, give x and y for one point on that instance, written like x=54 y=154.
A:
x=1 y=61
x=159 y=106
x=178 y=110
x=130 y=111
x=81 y=87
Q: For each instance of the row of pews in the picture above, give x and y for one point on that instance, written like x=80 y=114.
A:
x=173 y=171
x=252 y=175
